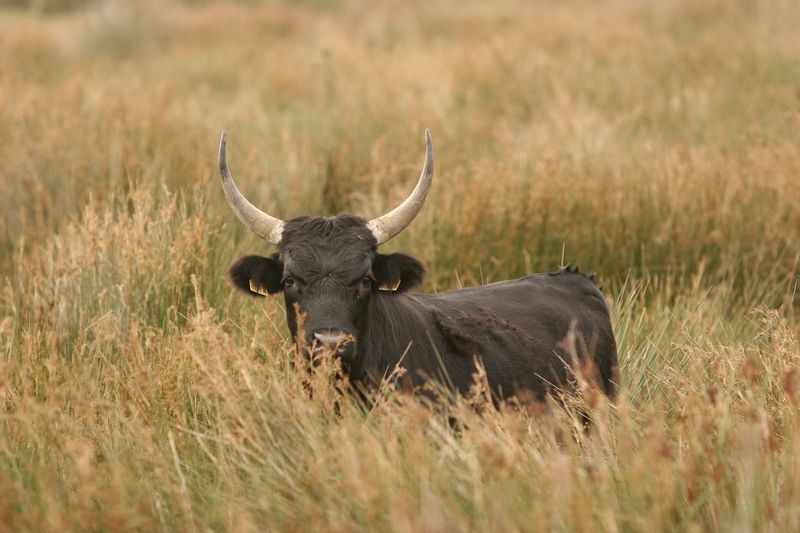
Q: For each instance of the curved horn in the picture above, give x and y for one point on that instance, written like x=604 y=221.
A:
x=393 y=222
x=265 y=226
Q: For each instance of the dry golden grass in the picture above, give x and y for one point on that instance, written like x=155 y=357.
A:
x=656 y=143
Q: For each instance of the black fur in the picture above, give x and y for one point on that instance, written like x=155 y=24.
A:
x=330 y=270
x=515 y=328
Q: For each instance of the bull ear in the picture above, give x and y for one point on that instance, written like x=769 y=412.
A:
x=257 y=275
x=397 y=272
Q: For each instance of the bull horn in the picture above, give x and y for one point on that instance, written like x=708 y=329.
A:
x=393 y=222
x=265 y=226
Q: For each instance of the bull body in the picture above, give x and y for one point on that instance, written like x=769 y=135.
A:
x=517 y=329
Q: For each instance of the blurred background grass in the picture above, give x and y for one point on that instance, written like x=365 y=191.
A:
x=657 y=143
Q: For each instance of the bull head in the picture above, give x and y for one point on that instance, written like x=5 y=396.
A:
x=328 y=268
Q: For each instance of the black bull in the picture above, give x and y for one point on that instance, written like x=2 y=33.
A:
x=356 y=303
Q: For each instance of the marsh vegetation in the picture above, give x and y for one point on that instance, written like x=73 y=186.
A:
x=655 y=143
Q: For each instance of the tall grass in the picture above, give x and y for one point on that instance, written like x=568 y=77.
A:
x=658 y=144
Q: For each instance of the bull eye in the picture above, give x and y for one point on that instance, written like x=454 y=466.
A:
x=364 y=287
x=288 y=282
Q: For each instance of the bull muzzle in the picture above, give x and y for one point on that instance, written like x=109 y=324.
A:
x=331 y=341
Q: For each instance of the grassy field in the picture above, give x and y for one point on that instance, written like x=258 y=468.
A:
x=657 y=143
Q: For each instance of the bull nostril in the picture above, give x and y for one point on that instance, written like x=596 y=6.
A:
x=310 y=339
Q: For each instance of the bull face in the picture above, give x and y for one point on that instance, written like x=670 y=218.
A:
x=328 y=268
